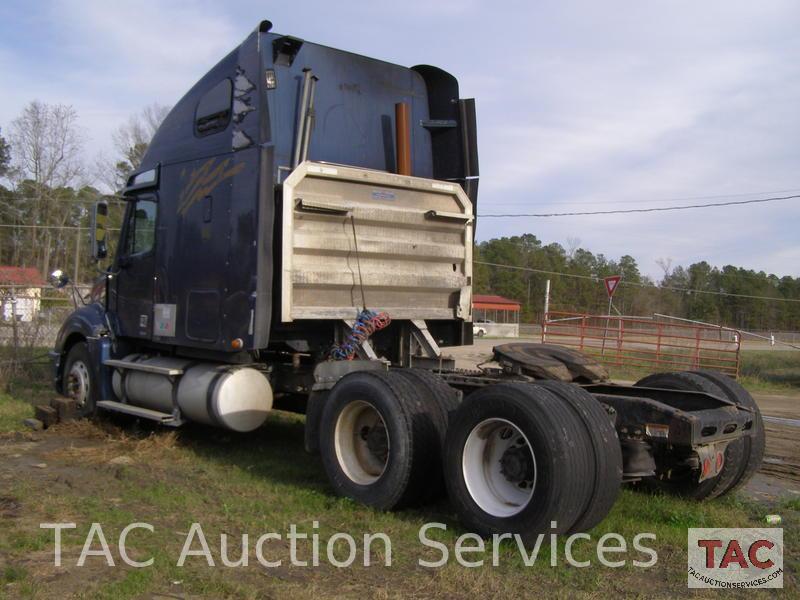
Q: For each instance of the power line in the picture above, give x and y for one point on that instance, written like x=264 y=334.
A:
x=633 y=283
x=109 y=198
x=657 y=200
x=68 y=227
x=642 y=210
x=10 y=226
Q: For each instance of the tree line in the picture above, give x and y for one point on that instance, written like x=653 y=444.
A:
x=50 y=186
x=727 y=295
x=47 y=185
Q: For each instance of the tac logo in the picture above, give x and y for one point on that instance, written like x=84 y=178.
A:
x=735 y=558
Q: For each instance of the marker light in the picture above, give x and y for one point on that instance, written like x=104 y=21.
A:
x=270 y=79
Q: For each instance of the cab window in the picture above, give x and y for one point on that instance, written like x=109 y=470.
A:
x=141 y=234
x=214 y=109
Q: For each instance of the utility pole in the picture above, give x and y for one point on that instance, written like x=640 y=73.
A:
x=529 y=292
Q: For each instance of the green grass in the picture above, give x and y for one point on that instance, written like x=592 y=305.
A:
x=769 y=371
x=12 y=412
x=263 y=482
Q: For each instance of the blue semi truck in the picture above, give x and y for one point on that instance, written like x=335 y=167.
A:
x=299 y=236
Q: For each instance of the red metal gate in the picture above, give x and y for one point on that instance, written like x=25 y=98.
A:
x=647 y=344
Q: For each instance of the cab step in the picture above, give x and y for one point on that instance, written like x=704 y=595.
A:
x=135 y=366
x=138 y=411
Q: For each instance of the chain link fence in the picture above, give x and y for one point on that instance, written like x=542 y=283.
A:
x=30 y=318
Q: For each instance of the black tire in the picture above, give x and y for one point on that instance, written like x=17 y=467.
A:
x=79 y=380
x=404 y=454
x=607 y=475
x=755 y=443
x=686 y=484
x=556 y=440
x=314 y=406
x=440 y=397
x=437 y=401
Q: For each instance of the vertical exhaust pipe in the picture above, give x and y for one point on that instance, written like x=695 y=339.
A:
x=310 y=117
x=402 y=125
x=301 y=118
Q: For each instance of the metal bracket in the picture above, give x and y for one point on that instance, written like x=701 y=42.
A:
x=124 y=368
x=439 y=123
x=424 y=339
x=448 y=216
x=327 y=373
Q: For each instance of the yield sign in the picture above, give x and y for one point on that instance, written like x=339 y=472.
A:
x=611 y=284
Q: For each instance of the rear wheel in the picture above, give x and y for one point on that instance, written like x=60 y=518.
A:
x=685 y=482
x=440 y=399
x=435 y=402
x=376 y=442
x=753 y=444
x=607 y=454
x=516 y=460
x=79 y=379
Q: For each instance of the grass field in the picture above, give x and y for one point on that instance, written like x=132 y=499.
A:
x=760 y=371
x=12 y=411
x=264 y=482
x=767 y=370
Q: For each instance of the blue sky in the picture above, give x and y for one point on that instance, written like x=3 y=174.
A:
x=581 y=105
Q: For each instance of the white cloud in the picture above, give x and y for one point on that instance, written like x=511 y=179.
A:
x=581 y=105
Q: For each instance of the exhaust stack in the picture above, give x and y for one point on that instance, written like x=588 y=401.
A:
x=402 y=124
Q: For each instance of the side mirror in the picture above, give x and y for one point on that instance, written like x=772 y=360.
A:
x=98 y=231
x=58 y=279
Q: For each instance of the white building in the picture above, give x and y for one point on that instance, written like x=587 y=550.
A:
x=20 y=292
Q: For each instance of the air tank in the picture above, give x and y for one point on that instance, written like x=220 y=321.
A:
x=232 y=397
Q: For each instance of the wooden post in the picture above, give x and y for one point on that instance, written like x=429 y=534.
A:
x=546 y=307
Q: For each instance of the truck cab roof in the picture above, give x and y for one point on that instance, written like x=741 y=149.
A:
x=251 y=97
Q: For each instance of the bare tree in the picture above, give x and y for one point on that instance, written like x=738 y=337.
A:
x=131 y=141
x=573 y=243
x=666 y=266
x=47 y=154
x=47 y=144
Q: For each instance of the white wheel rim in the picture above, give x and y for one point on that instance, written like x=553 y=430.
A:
x=499 y=467
x=358 y=427
x=78 y=382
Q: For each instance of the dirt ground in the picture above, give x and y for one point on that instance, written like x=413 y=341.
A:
x=114 y=472
x=118 y=476
x=779 y=476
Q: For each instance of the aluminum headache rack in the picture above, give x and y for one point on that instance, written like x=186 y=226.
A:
x=356 y=237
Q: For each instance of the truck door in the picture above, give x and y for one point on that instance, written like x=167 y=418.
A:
x=131 y=296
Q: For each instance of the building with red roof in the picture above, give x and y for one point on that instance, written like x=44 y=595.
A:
x=494 y=309
x=20 y=292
